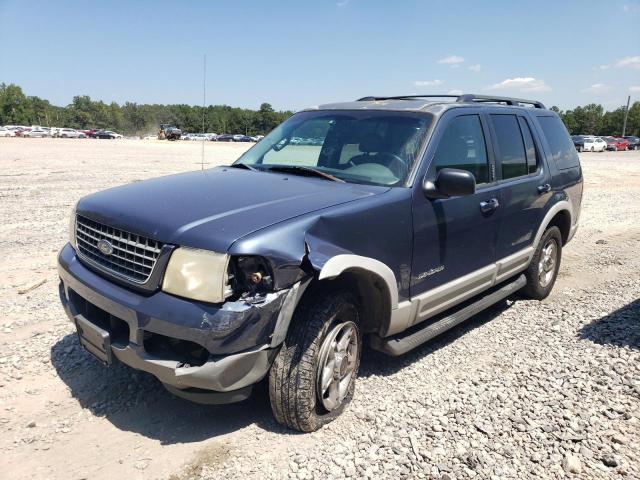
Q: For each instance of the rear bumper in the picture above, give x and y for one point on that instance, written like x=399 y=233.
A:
x=235 y=335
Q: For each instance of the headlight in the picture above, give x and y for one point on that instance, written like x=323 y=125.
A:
x=197 y=274
x=72 y=227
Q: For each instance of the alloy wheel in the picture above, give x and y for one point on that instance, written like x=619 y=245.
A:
x=337 y=363
x=547 y=263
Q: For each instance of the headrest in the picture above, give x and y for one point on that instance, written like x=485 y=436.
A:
x=372 y=143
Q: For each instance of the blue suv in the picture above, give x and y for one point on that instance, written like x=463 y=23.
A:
x=390 y=219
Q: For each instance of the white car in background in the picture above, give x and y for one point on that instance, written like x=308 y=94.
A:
x=70 y=133
x=594 y=144
x=37 y=132
x=6 y=132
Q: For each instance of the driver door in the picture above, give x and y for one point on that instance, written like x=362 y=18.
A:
x=455 y=238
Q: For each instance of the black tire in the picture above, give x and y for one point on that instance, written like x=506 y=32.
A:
x=536 y=287
x=293 y=390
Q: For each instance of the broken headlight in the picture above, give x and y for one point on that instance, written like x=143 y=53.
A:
x=198 y=274
x=250 y=275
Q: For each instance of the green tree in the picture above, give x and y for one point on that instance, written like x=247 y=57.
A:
x=15 y=107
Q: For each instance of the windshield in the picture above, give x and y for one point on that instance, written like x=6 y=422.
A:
x=370 y=147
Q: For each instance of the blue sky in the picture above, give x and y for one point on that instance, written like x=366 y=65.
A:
x=300 y=53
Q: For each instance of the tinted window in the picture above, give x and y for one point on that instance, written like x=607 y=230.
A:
x=562 y=150
x=462 y=146
x=510 y=147
x=532 y=155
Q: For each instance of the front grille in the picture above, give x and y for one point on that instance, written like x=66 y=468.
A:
x=133 y=256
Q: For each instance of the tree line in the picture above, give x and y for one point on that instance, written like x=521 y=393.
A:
x=593 y=120
x=132 y=118
x=136 y=119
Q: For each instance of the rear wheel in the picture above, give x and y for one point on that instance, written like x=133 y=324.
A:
x=313 y=377
x=543 y=269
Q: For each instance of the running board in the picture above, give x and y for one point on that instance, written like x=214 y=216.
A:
x=403 y=342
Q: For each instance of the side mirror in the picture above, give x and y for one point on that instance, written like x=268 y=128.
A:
x=450 y=182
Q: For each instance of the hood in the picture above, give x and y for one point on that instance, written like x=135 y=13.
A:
x=211 y=209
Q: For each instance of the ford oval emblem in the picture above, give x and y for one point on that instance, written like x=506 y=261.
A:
x=105 y=247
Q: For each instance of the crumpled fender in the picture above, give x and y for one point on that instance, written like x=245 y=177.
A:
x=331 y=260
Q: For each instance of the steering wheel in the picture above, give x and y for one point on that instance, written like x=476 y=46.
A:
x=395 y=164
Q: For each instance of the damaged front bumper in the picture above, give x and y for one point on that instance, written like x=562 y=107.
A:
x=206 y=353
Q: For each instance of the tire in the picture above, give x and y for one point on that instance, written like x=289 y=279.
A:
x=296 y=372
x=539 y=285
x=593 y=149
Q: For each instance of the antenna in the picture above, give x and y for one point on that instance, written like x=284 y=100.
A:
x=204 y=101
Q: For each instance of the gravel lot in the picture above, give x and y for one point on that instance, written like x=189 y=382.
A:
x=525 y=390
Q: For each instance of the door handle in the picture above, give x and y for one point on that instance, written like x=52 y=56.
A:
x=489 y=206
x=544 y=188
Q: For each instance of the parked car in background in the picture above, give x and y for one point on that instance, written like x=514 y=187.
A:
x=225 y=137
x=69 y=133
x=578 y=142
x=37 y=133
x=594 y=144
x=616 y=144
x=243 y=138
x=150 y=136
x=7 y=132
x=106 y=134
x=89 y=132
x=634 y=142
x=623 y=143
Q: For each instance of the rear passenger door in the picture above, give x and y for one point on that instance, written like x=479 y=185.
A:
x=524 y=184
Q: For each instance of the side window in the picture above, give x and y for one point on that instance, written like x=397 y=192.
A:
x=530 y=147
x=462 y=146
x=562 y=150
x=510 y=151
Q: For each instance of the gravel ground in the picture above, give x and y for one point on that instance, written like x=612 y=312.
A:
x=524 y=390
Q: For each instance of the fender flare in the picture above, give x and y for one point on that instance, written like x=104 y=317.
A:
x=555 y=209
x=342 y=262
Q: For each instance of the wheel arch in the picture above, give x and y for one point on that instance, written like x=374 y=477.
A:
x=373 y=283
x=560 y=215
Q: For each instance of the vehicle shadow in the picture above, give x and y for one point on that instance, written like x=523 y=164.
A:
x=377 y=363
x=136 y=401
x=620 y=328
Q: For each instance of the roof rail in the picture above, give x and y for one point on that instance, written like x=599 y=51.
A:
x=470 y=98
x=466 y=98
x=404 y=97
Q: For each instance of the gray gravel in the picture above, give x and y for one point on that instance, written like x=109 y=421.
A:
x=525 y=390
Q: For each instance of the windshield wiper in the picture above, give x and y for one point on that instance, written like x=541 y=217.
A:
x=300 y=169
x=243 y=165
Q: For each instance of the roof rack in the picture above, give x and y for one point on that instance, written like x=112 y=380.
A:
x=404 y=97
x=469 y=98
x=466 y=98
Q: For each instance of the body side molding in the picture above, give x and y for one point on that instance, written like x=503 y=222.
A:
x=432 y=302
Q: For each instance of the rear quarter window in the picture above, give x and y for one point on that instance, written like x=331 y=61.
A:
x=563 y=151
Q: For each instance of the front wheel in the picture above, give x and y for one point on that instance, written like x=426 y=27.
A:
x=545 y=264
x=313 y=377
